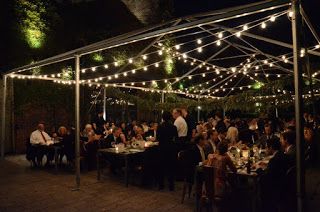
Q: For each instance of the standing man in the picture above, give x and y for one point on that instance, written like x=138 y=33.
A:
x=182 y=128
x=98 y=123
x=191 y=123
x=166 y=135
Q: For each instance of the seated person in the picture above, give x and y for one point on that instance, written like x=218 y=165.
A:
x=221 y=162
x=152 y=131
x=67 y=139
x=288 y=143
x=116 y=137
x=213 y=141
x=88 y=130
x=268 y=134
x=310 y=139
x=40 y=138
x=272 y=179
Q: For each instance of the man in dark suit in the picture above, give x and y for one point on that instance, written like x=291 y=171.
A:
x=220 y=126
x=116 y=137
x=268 y=134
x=273 y=177
x=167 y=134
x=191 y=123
x=98 y=123
x=288 y=143
x=213 y=140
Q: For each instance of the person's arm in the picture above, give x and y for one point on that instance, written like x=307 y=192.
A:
x=230 y=164
x=123 y=138
x=34 y=139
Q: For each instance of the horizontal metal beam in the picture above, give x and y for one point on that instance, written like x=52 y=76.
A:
x=262 y=38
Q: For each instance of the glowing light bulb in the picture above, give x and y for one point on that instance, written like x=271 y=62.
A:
x=238 y=34
x=160 y=52
x=133 y=71
x=130 y=61
x=272 y=18
x=245 y=27
x=93 y=68
x=220 y=35
x=106 y=66
x=177 y=47
x=184 y=55
x=144 y=57
x=199 y=41
x=218 y=43
x=156 y=65
x=199 y=49
x=290 y=14
x=263 y=25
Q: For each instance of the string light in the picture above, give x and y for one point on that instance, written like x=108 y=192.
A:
x=220 y=35
x=144 y=57
x=263 y=25
x=272 y=18
x=245 y=27
x=106 y=66
x=199 y=41
x=238 y=34
x=177 y=47
x=218 y=43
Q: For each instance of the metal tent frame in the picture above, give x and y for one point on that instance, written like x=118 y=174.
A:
x=206 y=22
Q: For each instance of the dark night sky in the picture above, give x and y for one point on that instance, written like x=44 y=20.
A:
x=188 y=7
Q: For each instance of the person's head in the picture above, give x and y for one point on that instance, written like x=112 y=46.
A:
x=100 y=113
x=184 y=111
x=218 y=116
x=267 y=129
x=232 y=134
x=155 y=126
x=62 y=131
x=273 y=145
x=213 y=135
x=305 y=115
x=308 y=134
x=200 y=140
x=176 y=113
x=166 y=116
x=222 y=147
x=123 y=125
x=287 y=138
x=117 y=131
x=88 y=128
x=41 y=127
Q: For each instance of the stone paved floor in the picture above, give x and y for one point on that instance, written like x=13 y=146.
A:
x=26 y=189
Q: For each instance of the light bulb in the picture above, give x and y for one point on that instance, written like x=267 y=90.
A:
x=160 y=52
x=220 y=35
x=199 y=41
x=272 y=18
x=177 y=47
x=218 y=43
x=263 y=25
x=130 y=61
x=144 y=57
x=245 y=27
x=238 y=34
x=199 y=49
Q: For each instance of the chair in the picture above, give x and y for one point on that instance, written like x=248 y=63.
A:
x=31 y=153
x=208 y=199
x=185 y=165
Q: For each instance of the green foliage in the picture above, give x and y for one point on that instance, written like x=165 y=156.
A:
x=97 y=57
x=31 y=21
x=169 y=60
x=67 y=73
x=120 y=57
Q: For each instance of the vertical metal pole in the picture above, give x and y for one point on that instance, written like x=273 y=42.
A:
x=277 y=113
x=198 y=118
x=3 y=124
x=105 y=104
x=162 y=101
x=298 y=67
x=77 y=119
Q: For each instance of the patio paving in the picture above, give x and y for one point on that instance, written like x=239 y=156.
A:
x=26 y=189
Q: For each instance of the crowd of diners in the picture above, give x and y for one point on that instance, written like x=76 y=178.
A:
x=207 y=142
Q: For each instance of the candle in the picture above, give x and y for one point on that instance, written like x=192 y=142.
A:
x=245 y=154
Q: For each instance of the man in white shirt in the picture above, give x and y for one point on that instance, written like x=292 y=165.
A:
x=39 y=136
x=42 y=140
x=180 y=123
x=182 y=127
